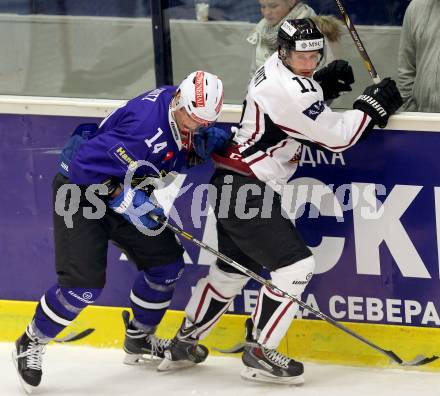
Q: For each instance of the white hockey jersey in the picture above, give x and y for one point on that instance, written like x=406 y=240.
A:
x=281 y=107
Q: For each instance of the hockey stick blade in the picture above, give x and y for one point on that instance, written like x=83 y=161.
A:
x=74 y=336
x=419 y=360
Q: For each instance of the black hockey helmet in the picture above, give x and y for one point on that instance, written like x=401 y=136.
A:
x=299 y=35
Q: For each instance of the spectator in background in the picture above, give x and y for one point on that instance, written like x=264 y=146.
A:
x=419 y=54
x=275 y=12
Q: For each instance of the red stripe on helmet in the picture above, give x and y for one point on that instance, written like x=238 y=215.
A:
x=199 y=89
x=220 y=104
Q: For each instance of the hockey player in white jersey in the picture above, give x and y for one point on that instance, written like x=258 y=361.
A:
x=284 y=109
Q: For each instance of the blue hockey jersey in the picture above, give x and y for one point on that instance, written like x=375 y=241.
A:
x=142 y=129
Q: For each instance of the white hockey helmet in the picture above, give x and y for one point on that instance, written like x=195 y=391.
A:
x=201 y=95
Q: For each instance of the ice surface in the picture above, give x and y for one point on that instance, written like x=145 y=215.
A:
x=77 y=371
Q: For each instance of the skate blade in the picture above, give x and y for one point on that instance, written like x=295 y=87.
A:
x=140 y=360
x=252 y=374
x=27 y=388
x=171 y=365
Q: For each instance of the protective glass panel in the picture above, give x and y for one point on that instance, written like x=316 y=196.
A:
x=104 y=48
x=211 y=35
x=222 y=36
x=76 y=48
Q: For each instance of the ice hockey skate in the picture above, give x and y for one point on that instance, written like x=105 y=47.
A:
x=27 y=358
x=184 y=351
x=268 y=365
x=141 y=347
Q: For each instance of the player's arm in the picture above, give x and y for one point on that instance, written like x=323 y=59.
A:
x=332 y=130
x=107 y=155
x=310 y=118
x=298 y=108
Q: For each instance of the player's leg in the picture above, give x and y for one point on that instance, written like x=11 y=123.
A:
x=160 y=262
x=80 y=254
x=272 y=241
x=209 y=300
x=211 y=297
x=270 y=321
x=150 y=297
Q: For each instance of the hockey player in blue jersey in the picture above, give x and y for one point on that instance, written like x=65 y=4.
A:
x=157 y=128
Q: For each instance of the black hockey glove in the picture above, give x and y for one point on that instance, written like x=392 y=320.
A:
x=334 y=79
x=380 y=101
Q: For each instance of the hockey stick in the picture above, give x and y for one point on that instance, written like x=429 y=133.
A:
x=360 y=47
x=417 y=361
x=74 y=336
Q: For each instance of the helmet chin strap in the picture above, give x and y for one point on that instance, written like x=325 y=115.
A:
x=173 y=126
x=174 y=106
x=185 y=137
x=283 y=54
x=285 y=64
